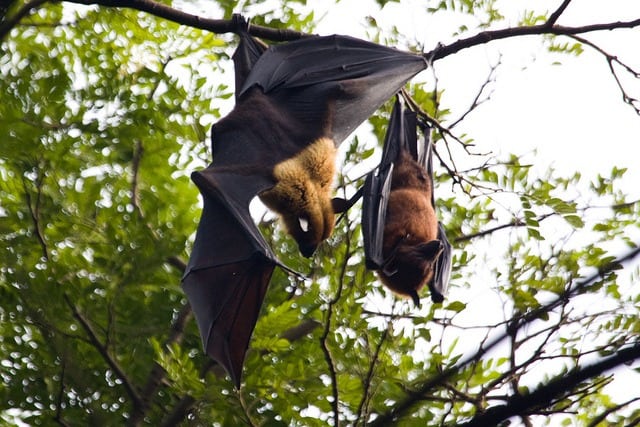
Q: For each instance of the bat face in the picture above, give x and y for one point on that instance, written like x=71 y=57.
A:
x=302 y=194
x=410 y=244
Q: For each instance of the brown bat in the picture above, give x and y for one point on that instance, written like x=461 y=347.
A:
x=295 y=103
x=404 y=241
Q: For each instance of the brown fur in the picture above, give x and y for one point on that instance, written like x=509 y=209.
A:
x=303 y=190
x=410 y=245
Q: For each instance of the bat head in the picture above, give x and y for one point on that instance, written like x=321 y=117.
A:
x=410 y=267
x=302 y=194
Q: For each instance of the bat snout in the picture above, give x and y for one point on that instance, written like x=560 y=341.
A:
x=307 y=249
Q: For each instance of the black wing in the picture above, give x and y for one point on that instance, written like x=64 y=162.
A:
x=338 y=79
x=440 y=282
x=401 y=133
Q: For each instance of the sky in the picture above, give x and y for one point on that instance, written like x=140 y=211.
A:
x=570 y=113
x=569 y=116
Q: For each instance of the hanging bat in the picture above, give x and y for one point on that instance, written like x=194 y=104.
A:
x=403 y=239
x=295 y=103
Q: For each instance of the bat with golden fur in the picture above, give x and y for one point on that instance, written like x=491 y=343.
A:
x=295 y=103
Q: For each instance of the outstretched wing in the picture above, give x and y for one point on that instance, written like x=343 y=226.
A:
x=338 y=80
x=229 y=269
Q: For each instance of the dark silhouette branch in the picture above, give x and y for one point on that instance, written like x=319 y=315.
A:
x=177 y=263
x=477 y=101
x=484 y=37
x=556 y=14
x=612 y=60
x=515 y=323
x=555 y=388
x=218 y=26
x=8 y=23
x=222 y=26
x=603 y=416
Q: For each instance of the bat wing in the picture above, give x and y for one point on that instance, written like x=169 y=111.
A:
x=401 y=132
x=438 y=285
x=338 y=80
x=229 y=269
x=440 y=281
x=245 y=57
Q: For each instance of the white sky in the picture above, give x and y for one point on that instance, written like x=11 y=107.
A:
x=571 y=114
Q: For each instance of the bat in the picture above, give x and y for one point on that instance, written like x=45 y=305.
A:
x=295 y=103
x=403 y=239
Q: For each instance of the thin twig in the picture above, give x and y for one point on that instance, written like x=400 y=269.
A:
x=138 y=150
x=611 y=60
x=104 y=352
x=516 y=323
x=12 y=21
x=372 y=365
x=477 y=101
x=559 y=11
x=34 y=211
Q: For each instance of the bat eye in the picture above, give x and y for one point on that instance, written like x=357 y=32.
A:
x=304 y=224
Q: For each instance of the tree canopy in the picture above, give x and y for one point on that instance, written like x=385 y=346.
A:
x=106 y=108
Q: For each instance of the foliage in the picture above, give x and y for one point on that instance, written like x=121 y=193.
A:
x=104 y=114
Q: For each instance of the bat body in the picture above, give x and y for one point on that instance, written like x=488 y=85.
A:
x=295 y=103
x=404 y=241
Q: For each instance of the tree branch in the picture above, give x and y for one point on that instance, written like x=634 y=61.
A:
x=477 y=101
x=372 y=365
x=104 y=352
x=517 y=322
x=218 y=26
x=611 y=61
x=177 y=263
x=484 y=37
x=34 y=211
x=559 y=11
x=545 y=394
x=12 y=21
